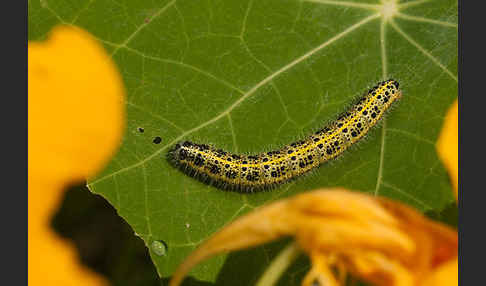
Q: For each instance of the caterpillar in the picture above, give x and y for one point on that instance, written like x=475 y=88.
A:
x=249 y=173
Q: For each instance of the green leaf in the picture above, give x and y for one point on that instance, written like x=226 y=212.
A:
x=249 y=76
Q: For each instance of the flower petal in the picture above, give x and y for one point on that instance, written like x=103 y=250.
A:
x=447 y=145
x=445 y=275
x=75 y=123
x=376 y=239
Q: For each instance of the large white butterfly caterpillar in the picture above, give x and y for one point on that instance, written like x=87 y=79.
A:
x=248 y=173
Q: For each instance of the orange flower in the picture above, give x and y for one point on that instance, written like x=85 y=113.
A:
x=376 y=239
x=76 y=119
x=447 y=145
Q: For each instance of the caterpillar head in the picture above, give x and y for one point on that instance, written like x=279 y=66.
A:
x=188 y=152
x=393 y=86
x=182 y=151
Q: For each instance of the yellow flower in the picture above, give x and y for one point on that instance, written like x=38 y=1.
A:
x=445 y=275
x=376 y=239
x=75 y=123
x=447 y=145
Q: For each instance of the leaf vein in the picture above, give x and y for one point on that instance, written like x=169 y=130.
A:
x=423 y=50
x=425 y=20
x=388 y=185
x=142 y=26
x=245 y=96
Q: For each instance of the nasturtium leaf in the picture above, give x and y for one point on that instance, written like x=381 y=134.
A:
x=249 y=76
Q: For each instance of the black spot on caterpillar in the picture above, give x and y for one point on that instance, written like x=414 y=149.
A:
x=249 y=173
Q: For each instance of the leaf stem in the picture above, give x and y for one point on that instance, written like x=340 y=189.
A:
x=286 y=257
